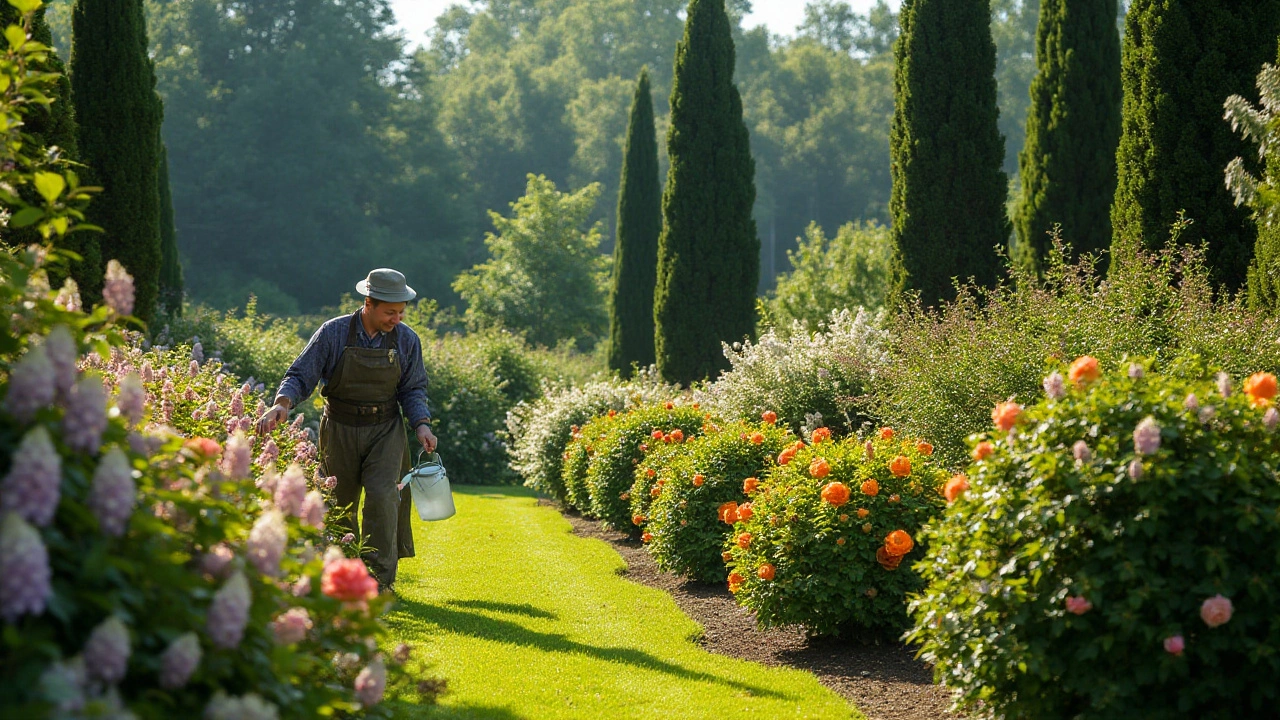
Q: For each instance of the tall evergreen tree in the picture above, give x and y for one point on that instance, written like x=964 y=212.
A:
x=113 y=87
x=635 y=254
x=1068 y=165
x=171 y=289
x=708 y=254
x=1181 y=60
x=945 y=148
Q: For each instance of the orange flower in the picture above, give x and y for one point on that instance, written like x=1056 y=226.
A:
x=735 y=582
x=786 y=456
x=696 y=406
x=656 y=434
x=839 y=541
x=886 y=433
x=982 y=451
x=637 y=520
x=898 y=543
x=1084 y=370
x=646 y=537
x=844 y=517
x=728 y=512
x=745 y=511
x=769 y=416
x=644 y=447
x=955 y=487
x=698 y=480
x=671 y=405
x=650 y=472
x=613 y=413
x=765 y=572
x=677 y=435
x=863 y=512
x=894 y=499
x=866 y=527
x=207 y=447
x=1005 y=415
x=924 y=448
x=821 y=434
x=655 y=491
x=887 y=561
x=836 y=493
x=870 y=487
x=757 y=438
x=573 y=428
x=744 y=540
x=819 y=468
x=726 y=556
x=750 y=485
x=900 y=466
x=1261 y=389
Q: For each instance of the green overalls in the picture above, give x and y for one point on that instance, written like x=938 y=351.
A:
x=363 y=444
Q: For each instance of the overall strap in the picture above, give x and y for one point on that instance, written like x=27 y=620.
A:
x=353 y=329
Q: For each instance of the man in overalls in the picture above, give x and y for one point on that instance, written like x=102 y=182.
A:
x=372 y=369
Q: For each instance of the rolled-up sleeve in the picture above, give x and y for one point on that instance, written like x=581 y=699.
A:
x=309 y=367
x=412 y=391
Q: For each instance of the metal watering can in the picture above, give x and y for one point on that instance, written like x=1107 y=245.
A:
x=430 y=487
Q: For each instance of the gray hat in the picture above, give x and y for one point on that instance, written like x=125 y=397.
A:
x=386 y=285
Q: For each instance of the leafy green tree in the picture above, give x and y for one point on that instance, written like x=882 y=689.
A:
x=1068 y=165
x=113 y=88
x=848 y=271
x=1260 y=194
x=948 y=200
x=708 y=254
x=170 y=265
x=635 y=254
x=545 y=277
x=1181 y=60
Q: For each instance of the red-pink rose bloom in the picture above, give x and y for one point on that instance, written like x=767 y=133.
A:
x=1077 y=605
x=348 y=580
x=291 y=626
x=1216 y=611
x=371 y=683
x=1174 y=645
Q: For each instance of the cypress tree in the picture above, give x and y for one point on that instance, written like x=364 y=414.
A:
x=170 y=267
x=708 y=254
x=1068 y=165
x=946 y=153
x=1181 y=60
x=635 y=254
x=113 y=87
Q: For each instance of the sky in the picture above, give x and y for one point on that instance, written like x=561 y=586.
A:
x=782 y=16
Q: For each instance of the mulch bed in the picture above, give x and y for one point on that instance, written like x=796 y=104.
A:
x=884 y=681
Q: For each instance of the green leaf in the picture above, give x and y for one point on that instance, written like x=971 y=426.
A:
x=26 y=6
x=26 y=217
x=15 y=35
x=50 y=185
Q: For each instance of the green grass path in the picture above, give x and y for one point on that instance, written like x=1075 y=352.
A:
x=526 y=620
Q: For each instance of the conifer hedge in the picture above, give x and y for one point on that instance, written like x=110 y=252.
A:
x=171 y=288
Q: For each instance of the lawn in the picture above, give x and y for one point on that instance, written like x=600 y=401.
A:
x=526 y=620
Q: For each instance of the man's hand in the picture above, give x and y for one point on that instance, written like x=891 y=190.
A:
x=273 y=417
x=427 y=438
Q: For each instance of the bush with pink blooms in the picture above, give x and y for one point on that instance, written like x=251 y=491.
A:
x=155 y=561
x=1111 y=554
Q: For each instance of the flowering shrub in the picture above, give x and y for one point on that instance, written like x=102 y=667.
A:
x=250 y=345
x=833 y=534
x=685 y=519
x=615 y=455
x=1114 y=554
x=662 y=461
x=809 y=379
x=578 y=457
x=468 y=414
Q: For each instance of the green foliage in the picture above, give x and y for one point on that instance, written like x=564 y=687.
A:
x=846 y=272
x=1259 y=194
x=828 y=574
x=1180 y=61
x=250 y=344
x=635 y=255
x=578 y=456
x=468 y=413
x=708 y=254
x=613 y=457
x=545 y=277
x=171 y=291
x=688 y=535
x=808 y=379
x=1067 y=507
x=1068 y=165
x=949 y=366
x=118 y=115
x=948 y=201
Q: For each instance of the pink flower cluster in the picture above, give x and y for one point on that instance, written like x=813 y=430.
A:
x=237 y=457
x=291 y=490
x=33 y=485
x=217 y=562
x=267 y=542
x=117 y=289
x=132 y=399
x=371 y=683
x=229 y=612
x=1055 y=387
x=1146 y=437
x=348 y=580
x=179 y=661
x=31 y=385
x=85 y=418
x=247 y=707
x=291 y=626
x=113 y=493
x=106 y=653
x=63 y=354
x=24 y=569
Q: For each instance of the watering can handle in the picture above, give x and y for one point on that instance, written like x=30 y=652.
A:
x=434 y=456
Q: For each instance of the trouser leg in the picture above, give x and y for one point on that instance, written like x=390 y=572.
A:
x=380 y=474
x=340 y=457
x=404 y=524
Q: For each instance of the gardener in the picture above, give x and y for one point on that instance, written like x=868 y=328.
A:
x=371 y=367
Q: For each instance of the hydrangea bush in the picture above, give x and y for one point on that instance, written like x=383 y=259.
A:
x=1111 y=552
x=832 y=534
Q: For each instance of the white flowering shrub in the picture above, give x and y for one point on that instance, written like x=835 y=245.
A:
x=810 y=379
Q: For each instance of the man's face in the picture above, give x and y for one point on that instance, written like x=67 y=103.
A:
x=384 y=316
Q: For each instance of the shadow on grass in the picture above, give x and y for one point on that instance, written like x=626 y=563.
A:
x=475 y=625
x=403 y=710
x=510 y=608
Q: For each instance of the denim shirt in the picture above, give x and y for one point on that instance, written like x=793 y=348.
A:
x=319 y=360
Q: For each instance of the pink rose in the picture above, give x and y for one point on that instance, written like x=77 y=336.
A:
x=1216 y=611
x=1077 y=605
x=1174 y=645
x=348 y=580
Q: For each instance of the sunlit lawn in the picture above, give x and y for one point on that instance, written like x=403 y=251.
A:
x=526 y=620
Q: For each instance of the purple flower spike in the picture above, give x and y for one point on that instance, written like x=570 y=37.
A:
x=86 y=415
x=31 y=385
x=24 y=569
x=113 y=495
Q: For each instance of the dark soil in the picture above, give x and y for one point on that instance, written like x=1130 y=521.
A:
x=885 y=681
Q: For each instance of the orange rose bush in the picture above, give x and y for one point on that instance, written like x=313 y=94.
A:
x=838 y=527
x=1113 y=555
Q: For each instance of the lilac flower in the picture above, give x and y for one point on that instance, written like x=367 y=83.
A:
x=148 y=373
x=62 y=685
x=291 y=626
x=297 y=421
x=217 y=561
x=211 y=409
x=1082 y=452
x=1146 y=437
x=86 y=416
x=167 y=388
x=267 y=481
x=144 y=444
x=1135 y=371
x=34 y=483
x=197 y=414
x=1224 y=384
x=24 y=569
x=267 y=542
x=245 y=424
x=132 y=400
x=113 y=494
x=247 y=387
x=1192 y=402
x=179 y=661
x=193 y=369
x=106 y=652
x=1207 y=413
x=302 y=587
x=69 y=297
x=402 y=653
x=304 y=452
x=166 y=410
x=262 y=408
x=869 y=448
x=330 y=482
x=229 y=612
x=117 y=289
x=371 y=683
x=31 y=385
x=197 y=352
x=232 y=424
x=348 y=538
x=236 y=456
x=313 y=510
x=1054 y=386
x=63 y=355
x=1271 y=419
x=1135 y=469
x=291 y=491
x=248 y=707
x=270 y=451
